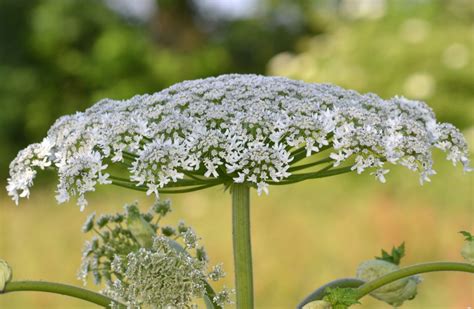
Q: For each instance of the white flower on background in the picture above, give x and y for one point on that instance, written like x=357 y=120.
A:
x=241 y=128
x=160 y=276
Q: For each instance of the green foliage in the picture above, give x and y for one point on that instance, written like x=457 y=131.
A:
x=58 y=57
x=467 y=236
x=395 y=256
x=415 y=49
x=139 y=225
x=341 y=298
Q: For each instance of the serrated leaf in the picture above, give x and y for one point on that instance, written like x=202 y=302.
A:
x=341 y=298
x=467 y=236
x=395 y=256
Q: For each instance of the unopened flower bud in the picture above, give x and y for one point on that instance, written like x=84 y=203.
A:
x=162 y=207
x=89 y=223
x=318 y=304
x=168 y=231
x=5 y=274
x=467 y=251
x=394 y=293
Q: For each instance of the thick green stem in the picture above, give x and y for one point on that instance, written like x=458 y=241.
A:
x=242 y=245
x=63 y=289
x=410 y=271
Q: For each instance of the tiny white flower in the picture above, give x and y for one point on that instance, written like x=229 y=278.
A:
x=379 y=174
x=262 y=187
x=152 y=189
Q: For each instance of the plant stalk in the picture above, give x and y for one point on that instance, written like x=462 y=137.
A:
x=410 y=271
x=242 y=246
x=59 y=288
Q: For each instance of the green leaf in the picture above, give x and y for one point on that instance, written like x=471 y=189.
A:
x=139 y=227
x=341 y=298
x=395 y=257
x=467 y=236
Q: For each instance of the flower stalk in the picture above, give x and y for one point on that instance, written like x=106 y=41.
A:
x=242 y=246
x=410 y=271
x=63 y=289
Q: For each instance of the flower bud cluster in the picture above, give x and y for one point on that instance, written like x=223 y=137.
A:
x=394 y=293
x=235 y=128
x=5 y=274
x=145 y=263
x=467 y=250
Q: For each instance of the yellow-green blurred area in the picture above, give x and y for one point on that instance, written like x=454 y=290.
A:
x=58 y=57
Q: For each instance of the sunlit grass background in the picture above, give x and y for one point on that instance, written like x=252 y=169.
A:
x=303 y=235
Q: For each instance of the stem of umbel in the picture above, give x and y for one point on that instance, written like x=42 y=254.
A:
x=242 y=245
x=63 y=289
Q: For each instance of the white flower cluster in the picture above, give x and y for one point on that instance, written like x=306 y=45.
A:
x=161 y=277
x=234 y=128
x=146 y=270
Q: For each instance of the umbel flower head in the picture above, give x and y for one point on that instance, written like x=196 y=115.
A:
x=235 y=129
x=149 y=265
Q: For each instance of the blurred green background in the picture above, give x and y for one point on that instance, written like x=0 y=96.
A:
x=57 y=57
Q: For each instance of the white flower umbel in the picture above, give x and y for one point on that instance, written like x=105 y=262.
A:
x=160 y=276
x=235 y=128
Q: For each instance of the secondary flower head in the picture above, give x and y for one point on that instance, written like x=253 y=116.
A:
x=159 y=276
x=148 y=265
x=395 y=293
x=235 y=128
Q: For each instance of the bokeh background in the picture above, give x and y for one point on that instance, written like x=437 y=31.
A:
x=57 y=57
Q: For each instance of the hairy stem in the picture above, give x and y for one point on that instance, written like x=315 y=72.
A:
x=410 y=271
x=242 y=245
x=63 y=289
